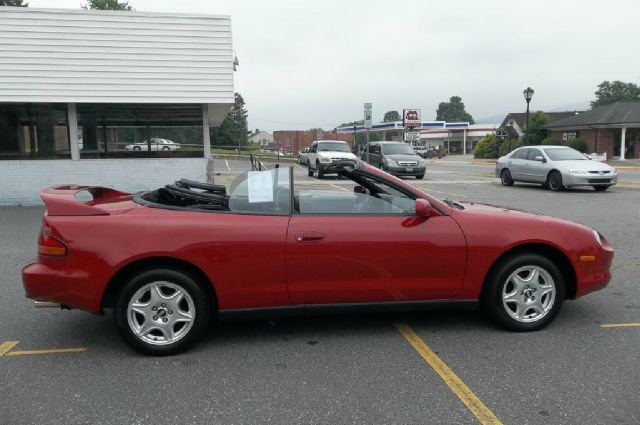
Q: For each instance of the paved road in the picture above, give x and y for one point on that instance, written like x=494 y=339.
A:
x=344 y=369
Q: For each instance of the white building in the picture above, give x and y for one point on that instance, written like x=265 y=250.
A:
x=263 y=138
x=86 y=95
x=452 y=137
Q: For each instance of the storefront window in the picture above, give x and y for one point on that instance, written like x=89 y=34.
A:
x=115 y=131
x=34 y=131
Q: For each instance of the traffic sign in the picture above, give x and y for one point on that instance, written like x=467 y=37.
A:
x=368 y=122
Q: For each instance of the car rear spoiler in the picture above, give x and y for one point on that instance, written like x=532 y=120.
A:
x=62 y=200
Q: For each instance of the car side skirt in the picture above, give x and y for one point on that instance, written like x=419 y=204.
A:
x=345 y=309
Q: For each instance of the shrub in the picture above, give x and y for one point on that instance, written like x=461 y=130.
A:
x=578 y=145
x=487 y=147
x=506 y=146
x=550 y=141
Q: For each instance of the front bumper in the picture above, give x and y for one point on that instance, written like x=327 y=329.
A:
x=574 y=180
x=335 y=166
x=419 y=170
x=594 y=275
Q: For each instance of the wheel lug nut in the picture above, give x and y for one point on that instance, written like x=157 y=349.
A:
x=155 y=317
x=165 y=320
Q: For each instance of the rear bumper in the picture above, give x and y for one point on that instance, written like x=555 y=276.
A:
x=594 y=275
x=61 y=285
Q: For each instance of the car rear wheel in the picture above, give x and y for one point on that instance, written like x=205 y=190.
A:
x=601 y=188
x=161 y=312
x=554 y=181
x=165 y=148
x=505 y=177
x=137 y=148
x=524 y=293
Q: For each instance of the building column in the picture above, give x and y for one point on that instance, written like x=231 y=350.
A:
x=206 y=138
x=72 y=117
x=622 y=143
x=464 y=141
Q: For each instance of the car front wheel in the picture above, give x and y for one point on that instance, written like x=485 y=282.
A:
x=505 y=177
x=524 y=293
x=161 y=312
x=320 y=171
x=309 y=170
x=554 y=181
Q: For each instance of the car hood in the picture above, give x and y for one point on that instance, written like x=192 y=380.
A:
x=337 y=154
x=583 y=165
x=403 y=157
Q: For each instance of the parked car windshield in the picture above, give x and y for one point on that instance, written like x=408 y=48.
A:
x=397 y=148
x=335 y=147
x=564 y=154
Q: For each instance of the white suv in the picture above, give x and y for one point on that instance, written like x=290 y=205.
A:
x=325 y=155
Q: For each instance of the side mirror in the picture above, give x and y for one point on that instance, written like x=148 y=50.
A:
x=424 y=209
x=540 y=158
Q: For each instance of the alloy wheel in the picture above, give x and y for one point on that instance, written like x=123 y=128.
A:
x=529 y=294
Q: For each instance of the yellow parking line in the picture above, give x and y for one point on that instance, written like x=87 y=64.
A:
x=473 y=403
x=619 y=325
x=336 y=186
x=227 y=164
x=51 y=351
x=6 y=346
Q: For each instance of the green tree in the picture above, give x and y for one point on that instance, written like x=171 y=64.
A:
x=391 y=116
x=536 y=133
x=107 y=5
x=14 y=3
x=578 y=145
x=487 y=147
x=233 y=130
x=550 y=141
x=453 y=111
x=609 y=92
x=508 y=145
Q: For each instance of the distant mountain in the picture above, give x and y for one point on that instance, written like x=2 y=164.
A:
x=582 y=105
x=494 y=119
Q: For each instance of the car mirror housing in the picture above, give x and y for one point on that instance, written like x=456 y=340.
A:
x=540 y=158
x=424 y=209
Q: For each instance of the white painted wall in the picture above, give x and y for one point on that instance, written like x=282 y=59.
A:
x=22 y=181
x=80 y=56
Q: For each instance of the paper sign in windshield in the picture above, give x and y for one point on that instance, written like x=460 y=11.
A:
x=260 y=186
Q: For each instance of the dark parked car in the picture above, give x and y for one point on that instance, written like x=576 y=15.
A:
x=397 y=158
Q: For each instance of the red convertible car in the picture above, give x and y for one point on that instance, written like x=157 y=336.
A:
x=167 y=261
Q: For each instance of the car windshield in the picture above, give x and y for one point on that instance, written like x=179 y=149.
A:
x=397 y=148
x=564 y=154
x=335 y=147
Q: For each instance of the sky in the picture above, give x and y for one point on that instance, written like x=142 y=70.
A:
x=308 y=64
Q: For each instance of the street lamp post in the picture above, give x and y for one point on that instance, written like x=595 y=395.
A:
x=528 y=94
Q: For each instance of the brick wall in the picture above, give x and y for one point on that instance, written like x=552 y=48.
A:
x=22 y=181
x=303 y=139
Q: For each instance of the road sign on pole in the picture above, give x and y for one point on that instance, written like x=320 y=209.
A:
x=367 y=115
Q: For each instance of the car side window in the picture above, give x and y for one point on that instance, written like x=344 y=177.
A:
x=375 y=149
x=521 y=154
x=370 y=197
x=265 y=192
x=313 y=148
x=533 y=153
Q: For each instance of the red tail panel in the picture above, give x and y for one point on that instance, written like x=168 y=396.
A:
x=61 y=200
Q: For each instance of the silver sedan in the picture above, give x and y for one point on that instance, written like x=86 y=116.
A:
x=555 y=167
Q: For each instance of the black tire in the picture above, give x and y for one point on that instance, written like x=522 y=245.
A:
x=601 y=188
x=420 y=177
x=497 y=283
x=201 y=305
x=165 y=148
x=309 y=170
x=554 y=181
x=137 y=148
x=505 y=177
x=320 y=171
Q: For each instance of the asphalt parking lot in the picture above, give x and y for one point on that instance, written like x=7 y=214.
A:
x=71 y=367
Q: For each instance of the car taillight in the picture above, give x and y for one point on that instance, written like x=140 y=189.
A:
x=50 y=245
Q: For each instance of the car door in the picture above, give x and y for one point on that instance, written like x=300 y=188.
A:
x=517 y=162
x=338 y=252
x=537 y=169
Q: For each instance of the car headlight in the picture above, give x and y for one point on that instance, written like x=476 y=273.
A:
x=325 y=160
x=420 y=162
x=597 y=236
x=576 y=171
x=392 y=163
